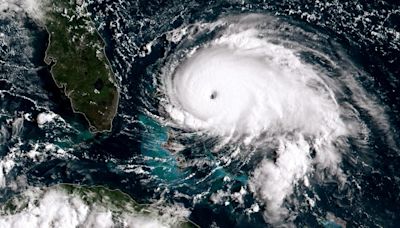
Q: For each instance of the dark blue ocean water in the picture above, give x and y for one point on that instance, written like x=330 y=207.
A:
x=134 y=157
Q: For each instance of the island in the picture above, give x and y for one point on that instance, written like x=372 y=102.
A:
x=79 y=66
x=123 y=209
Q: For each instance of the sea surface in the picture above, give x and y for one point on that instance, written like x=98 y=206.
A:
x=156 y=160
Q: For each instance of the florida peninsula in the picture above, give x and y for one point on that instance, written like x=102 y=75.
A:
x=78 y=62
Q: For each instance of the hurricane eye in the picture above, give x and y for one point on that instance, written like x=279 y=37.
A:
x=213 y=95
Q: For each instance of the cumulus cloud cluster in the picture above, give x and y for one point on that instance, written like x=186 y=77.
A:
x=34 y=8
x=56 y=208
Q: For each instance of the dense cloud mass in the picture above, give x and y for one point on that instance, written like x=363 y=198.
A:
x=242 y=113
x=54 y=207
x=33 y=8
x=246 y=88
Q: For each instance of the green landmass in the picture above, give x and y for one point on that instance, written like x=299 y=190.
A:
x=116 y=201
x=81 y=67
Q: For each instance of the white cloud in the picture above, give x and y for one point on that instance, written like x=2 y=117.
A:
x=273 y=182
x=54 y=208
x=34 y=8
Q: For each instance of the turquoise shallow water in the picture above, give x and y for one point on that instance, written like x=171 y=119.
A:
x=163 y=164
x=134 y=158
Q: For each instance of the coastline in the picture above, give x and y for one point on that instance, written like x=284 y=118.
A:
x=77 y=189
x=51 y=61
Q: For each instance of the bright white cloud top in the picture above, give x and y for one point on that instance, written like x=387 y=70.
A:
x=248 y=87
x=68 y=206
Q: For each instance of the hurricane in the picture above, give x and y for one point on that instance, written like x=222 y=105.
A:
x=265 y=92
x=229 y=113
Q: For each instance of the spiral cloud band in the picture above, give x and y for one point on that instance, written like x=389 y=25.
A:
x=248 y=87
x=241 y=84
